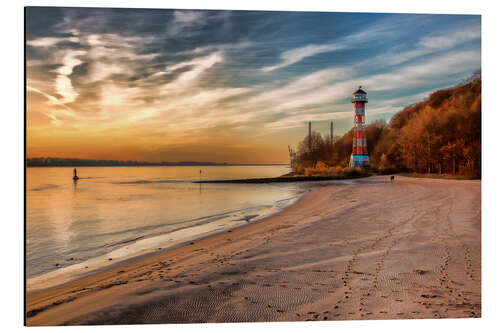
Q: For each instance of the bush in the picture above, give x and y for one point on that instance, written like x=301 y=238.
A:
x=353 y=172
x=299 y=169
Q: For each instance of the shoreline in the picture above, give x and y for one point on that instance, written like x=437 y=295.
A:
x=71 y=273
x=282 y=179
x=293 y=254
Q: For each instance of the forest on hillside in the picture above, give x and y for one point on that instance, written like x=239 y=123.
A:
x=440 y=135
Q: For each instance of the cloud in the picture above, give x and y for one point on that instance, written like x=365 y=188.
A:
x=117 y=96
x=111 y=42
x=380 y=30
x=52 y=99
x=427 y=45
x=65 y=89
x=101 y=70
x=111 y=54
x=298 y=120
x=50 y=41
x=224 y=47
x=295 y=55
x=185 y=19
x=307 y=84
x=70 y=61
x=55 y=113
x=205 y=100
x=197 y=67
x=434 y=70
x=451 y=38
x=63 y=83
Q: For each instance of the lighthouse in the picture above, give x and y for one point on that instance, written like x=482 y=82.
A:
x=359 y=156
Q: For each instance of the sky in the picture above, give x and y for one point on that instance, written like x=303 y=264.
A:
x=226 y=86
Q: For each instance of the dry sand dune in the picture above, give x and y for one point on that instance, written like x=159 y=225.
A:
x=378 y=250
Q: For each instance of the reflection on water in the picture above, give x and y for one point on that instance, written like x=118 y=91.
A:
x=109 y=208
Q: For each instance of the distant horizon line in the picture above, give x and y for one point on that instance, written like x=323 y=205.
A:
x=70 y=161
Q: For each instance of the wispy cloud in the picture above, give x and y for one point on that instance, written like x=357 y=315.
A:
x=433 y=43
x=197 y=67
x=436 y=69
x=295 y=55
x=377 y=31
x=187 y=17
x=50 y=41
x=111 y=54
x=57 y=110
x=451 y=39
x=183 y=20
x=298 y=120
x=63 y=83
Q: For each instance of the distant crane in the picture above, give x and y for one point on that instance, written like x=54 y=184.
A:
x=293 y=157
x=331 y=132
x=310 y=138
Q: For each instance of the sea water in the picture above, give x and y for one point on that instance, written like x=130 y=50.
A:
x=115 y=213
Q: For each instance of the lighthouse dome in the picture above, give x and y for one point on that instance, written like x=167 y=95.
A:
x=359 y=91
x=359 y=96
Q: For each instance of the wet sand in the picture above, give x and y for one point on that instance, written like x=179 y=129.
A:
x=378 y=250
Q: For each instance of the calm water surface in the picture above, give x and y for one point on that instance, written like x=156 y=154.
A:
x=118 y=211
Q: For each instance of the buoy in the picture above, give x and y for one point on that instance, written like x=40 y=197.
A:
x=75 y=177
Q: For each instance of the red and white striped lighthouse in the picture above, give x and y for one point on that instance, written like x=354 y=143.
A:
x=359 y=156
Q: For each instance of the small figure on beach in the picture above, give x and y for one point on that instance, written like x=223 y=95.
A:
x=75 y=177
x=392 y=179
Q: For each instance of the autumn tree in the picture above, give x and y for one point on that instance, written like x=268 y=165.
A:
x=311 y=150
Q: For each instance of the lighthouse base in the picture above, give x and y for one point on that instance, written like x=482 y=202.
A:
x=359 y=160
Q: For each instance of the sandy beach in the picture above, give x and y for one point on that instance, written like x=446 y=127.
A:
x=411 y=249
